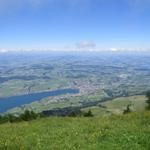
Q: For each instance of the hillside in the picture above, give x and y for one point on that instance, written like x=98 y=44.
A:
x=130 y=131
x=118 y=105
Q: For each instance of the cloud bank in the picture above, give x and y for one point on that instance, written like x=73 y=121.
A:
x=86 y=45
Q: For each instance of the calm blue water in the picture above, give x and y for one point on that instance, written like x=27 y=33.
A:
x=15 y=101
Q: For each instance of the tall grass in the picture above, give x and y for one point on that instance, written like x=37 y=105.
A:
x=122 y=132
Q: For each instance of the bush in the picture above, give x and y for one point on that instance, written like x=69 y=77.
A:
x=127 y=110
x=3 y=119
x=148 y=100
x=88 y=114
x=28 y=115
x=12 y=118
x=72 y=114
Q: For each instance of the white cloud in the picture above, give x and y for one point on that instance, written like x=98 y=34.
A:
x=113 y=49
x=86 y=45
x=2 y=50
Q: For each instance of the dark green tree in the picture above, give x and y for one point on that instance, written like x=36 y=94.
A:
x=72 y=114
x=127 y=110
x=148 y=100
x=88 y=114
x=28 y=115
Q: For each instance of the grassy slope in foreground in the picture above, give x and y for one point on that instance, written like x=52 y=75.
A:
x=116 y=132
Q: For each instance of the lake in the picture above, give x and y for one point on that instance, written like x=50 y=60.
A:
x=15 y=101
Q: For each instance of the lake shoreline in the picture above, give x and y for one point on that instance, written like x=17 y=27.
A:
x=15 y=101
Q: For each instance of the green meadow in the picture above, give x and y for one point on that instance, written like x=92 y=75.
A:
x=118 y=105
x=116 y=132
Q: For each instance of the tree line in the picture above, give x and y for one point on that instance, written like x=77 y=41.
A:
x=31 y=115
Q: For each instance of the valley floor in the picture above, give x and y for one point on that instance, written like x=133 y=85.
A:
x=120 y=132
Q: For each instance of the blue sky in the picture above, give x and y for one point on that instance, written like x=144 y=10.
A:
x=74 y=24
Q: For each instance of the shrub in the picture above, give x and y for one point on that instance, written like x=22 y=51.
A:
x=127 y=110
x=3 y=119
x=148 y=100
x=72 y=114
x=28 y=115
x=88 y=114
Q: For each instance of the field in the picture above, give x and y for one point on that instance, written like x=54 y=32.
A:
x=121 y=132
x=98 y=76
x=63 y=101
x=118 y=105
